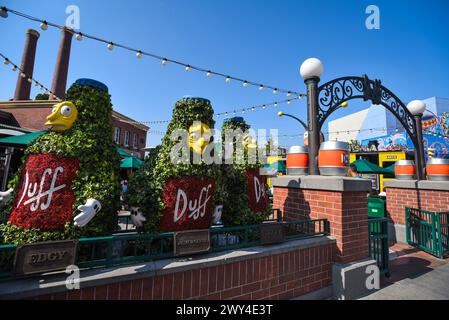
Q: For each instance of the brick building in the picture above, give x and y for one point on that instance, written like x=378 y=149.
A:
x=31 y=115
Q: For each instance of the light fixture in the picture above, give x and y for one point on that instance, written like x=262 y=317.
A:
x=228 y=79
x=187 y=68
x=164 y=61
x=44 y=25
x=275 y=90
x=79 y=36
x=344 y=104
x=311 y=68
x=264 y=107
x=3 y=12
x=6 y=61
x=110 y=46
x=139 y=54
x=289 y=101
x=275 y=104
x=416 y=107
x=14 y=68
x=280 y=113
x=289 y=94
x=253 y=109
x=245 y=83
x=209 y=73
x=261 y=87
x=23 y=75
x=30 y=80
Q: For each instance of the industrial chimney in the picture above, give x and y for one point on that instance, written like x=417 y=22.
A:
x=23 y=87
x=62 y=64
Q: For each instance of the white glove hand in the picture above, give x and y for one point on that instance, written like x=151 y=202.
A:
x=137 y=217
x=5 y=196
x=88 y=211
x=217 y=214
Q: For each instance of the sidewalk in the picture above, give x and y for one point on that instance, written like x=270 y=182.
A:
x=415 y=275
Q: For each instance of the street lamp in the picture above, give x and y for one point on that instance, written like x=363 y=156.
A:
x=417 y=108
x=311 y=70
x=280 y=114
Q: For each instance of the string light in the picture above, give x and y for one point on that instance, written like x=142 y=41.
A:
x=44 y=25
x=6 y=62
x=79 y=36
x=187 y=68
x=29 y=79
x=139 y=54
x=261 y=87
x=209 y=73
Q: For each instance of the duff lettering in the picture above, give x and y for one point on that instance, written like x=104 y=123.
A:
x=258 y=189
x=197 y=207
x=30 y=188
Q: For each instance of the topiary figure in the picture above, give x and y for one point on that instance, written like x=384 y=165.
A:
x=75 y=166
x=240 y=204
x=180 y=194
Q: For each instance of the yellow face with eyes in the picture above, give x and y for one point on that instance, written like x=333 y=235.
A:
x=62 y=116
x=199 y=137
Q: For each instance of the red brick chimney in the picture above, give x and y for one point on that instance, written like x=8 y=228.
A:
x=23 y=87
x=62 y=64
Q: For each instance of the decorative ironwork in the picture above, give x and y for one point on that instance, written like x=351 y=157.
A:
x=332 y=94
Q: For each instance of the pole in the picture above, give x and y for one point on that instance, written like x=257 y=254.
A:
x=419 y=151
x=312 y=122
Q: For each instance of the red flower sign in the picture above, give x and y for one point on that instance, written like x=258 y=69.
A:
x=45 y=197
x=188 y=204
x=257 y=185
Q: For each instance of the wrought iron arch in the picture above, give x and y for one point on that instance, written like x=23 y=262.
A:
x=333 y=93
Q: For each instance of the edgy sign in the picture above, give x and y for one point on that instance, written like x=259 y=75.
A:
x=188 y=204
x=45 y=197
x=44 y=257
x=257 y=196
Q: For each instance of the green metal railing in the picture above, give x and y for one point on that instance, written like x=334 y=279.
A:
x=139 y=247
x=428 y=231
x=378 y=243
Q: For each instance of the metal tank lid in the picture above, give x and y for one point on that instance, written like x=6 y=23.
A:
x=404 y=163
x=298 y=149
x=438 y=161
x=334 y=145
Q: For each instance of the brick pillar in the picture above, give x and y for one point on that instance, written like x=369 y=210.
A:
x=423 y=194
x=23 y=87
x=340 y=200
x=59 y=83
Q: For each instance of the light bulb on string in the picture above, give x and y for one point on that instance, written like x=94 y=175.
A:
x=228 y=79
x=139 y=54
x=253 y=109
x=110 y=46
x=79 y=36
x=164 y=62
x=289 y=94
x=44 y=25
x=245 y=83
x=275 y=90
x=209 y=73
x=275 y=104
x=261 y=87
x=187 y=68
x=30 y=80
x=6 y=61
x=289 y=101
x=23 y=75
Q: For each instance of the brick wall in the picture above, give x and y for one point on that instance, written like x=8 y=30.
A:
x=399 y=198
x=346 y=212
x=141 y=141
x=279 y=276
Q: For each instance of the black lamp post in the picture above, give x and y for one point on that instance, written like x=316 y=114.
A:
x=281 y=114
x=417 y=108
x=311 y=70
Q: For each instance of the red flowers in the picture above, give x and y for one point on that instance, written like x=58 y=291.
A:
x=45 y=199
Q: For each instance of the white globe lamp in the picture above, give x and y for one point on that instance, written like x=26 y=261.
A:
x=416 y=107
x=311 y=68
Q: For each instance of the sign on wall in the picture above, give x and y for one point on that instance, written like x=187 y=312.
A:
x=45 y=199
x=257 y=190
x=191 y=242
x=45 y=257
x=188 y=204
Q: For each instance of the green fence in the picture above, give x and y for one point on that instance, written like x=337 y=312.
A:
x=378 y=243
x=428 y=231
x=140 y=247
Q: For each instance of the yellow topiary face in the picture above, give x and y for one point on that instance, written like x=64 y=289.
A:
x=62 y=116
x=199 y=137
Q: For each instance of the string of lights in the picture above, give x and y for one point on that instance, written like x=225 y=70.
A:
x=7 y=61
x=231 y=112
x=164 y=60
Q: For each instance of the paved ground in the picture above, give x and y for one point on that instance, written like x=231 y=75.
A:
x=415 y=275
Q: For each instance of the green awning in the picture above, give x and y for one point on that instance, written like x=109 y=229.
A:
x=389 y=169
x=21 y=140
x=364 y=166
x=130 y=163
x=25 y=139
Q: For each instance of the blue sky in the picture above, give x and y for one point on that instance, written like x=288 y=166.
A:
x=264 y=41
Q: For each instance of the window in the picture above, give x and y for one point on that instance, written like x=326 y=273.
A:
x=126 y=138
x=117 y=135
x=136 y=140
